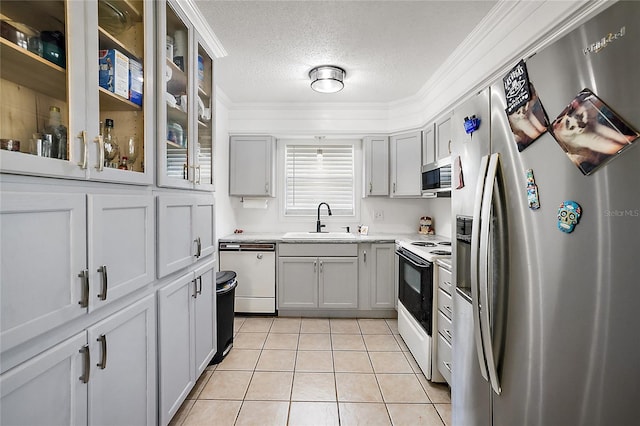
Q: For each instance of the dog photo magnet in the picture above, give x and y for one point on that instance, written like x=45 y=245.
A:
x=591 y=133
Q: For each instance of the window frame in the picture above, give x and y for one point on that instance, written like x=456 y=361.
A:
x=281 y=145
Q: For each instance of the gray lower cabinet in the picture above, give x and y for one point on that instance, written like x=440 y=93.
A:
x=186 y=335
x=103 y=375
x=382 y=276
x=317 y=282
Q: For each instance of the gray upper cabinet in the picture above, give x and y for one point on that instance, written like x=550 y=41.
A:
x=443 y=137
x=429 y=144
x=406 y=158
x=252 y=170
x=376 y=166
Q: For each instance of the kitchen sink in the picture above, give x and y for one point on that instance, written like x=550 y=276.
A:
x=319 y=236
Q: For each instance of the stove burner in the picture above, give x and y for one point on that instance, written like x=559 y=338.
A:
x=445 y=243
x=440 y=252
x=423 y=244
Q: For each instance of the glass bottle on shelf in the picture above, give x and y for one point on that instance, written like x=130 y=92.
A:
x=58 y=133
x=111 y=150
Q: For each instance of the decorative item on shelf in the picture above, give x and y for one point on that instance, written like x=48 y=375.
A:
x=131 y=152
x=123 y=164
x=113 y=18
x=363 y=229
x=58 y=134
x=200 y=72
x=10 y=144
x=53 y=47
x=179 y=48
x=111 y=148
x=426 y=226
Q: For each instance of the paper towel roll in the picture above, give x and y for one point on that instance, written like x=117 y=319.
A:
x=255 y=203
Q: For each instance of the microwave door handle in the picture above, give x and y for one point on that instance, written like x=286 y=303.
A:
x=485 y=311
x=475 y=251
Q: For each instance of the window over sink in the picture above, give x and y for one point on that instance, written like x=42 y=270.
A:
x=316 y=173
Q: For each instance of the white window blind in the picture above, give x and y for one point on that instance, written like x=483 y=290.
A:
x=319 y=173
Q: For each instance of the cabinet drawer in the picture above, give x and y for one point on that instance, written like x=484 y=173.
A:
x=318 y=249
x=444 y=358
x=445 y=279
x=445 y=303
x=445 y=327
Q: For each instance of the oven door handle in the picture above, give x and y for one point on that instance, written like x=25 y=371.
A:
x=417 y=265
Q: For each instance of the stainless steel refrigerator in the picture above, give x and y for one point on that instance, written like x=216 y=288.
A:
x=547 y=323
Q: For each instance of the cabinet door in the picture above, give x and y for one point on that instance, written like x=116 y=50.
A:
x=251 y=166
x=175 y=106
x=428 y=145
x=376 y=166
x=443 y=135
x=205 y=225
x=382 y=276
x=176 y=242
x=121 y=245
x=43 y=248
x=204 y=104
x=120 y=88
x=406 y=165
x=176 y=344
x=33 y=82
x=297 y=282
x=205 y=316
x=46 y=390
x=122 y=388
x=338 y=282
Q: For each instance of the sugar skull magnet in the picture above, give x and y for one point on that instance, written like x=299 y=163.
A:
x=568 y=216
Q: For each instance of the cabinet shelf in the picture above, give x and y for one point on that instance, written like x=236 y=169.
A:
x=202 y=92
x=133 y=8
x=177 y=84
x=176 y=115
x=113 y=102
x=175 y=145
x=107 y=41
x=30 y=70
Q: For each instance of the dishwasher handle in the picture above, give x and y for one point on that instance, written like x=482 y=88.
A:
x=247 y=247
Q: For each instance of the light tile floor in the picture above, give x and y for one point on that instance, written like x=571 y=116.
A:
x=316 y=371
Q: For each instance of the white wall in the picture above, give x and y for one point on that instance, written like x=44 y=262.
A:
x=225 y=214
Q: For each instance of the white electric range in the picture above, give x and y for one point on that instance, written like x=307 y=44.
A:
x=417 y=297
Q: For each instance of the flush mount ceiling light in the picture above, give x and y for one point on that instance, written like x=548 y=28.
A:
x=327 y=79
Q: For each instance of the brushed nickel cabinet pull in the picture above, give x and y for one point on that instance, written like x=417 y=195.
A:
x=105 y=284
x=103 y=343
x=84 y=290
x=86 y=364
x=83 y=137
x=199 y=290
x=100 y=141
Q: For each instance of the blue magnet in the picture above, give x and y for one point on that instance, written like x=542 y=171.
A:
x=568 y=216
x=471 y=124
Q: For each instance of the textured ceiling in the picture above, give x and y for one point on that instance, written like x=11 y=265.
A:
x=389 y=49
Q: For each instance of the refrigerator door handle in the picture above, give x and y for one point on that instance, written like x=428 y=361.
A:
x=475 y=290
x=485 y=303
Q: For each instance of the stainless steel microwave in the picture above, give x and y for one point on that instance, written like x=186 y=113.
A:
x=436 y=179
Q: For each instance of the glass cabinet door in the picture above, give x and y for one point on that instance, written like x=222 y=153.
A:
x=203 y=150
x=122 y=110
x=42 y=117
x=175 y=166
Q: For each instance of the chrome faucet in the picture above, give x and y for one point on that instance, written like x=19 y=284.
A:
x=318 y=225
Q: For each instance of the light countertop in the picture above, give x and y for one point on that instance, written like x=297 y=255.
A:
x=259 y=237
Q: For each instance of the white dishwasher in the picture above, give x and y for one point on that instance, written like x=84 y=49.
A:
x=255 y=266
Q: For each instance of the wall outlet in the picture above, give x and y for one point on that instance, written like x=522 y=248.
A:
x=378 y=215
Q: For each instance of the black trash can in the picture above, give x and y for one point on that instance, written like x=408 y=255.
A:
x=225 y=294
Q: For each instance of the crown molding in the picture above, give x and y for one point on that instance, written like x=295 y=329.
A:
x=203 y=27
x=512 y=30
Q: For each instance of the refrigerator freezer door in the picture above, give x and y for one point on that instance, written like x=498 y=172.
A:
x=571 y=354
x=470 y=392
